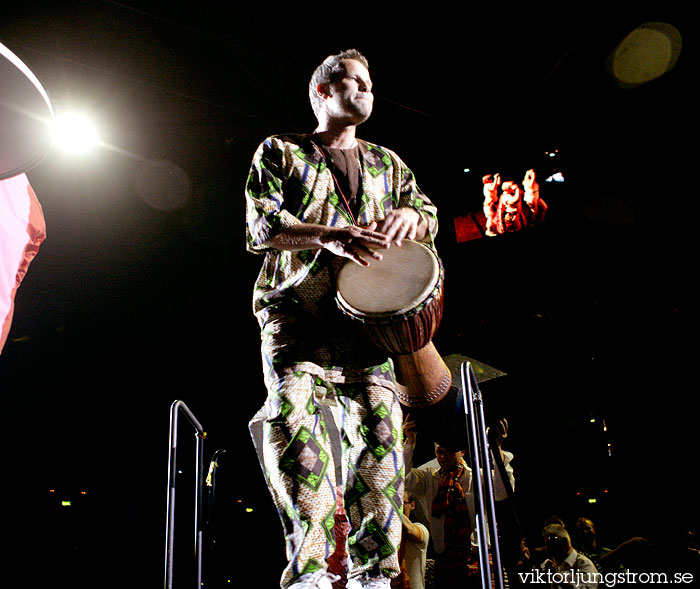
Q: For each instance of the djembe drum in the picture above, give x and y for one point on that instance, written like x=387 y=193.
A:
x=398 y=303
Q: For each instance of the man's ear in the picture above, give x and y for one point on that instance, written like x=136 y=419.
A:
x=324 y=91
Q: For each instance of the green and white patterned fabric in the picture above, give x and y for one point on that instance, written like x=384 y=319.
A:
x=318 y=369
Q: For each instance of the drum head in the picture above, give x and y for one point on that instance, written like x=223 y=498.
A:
x=403 y=279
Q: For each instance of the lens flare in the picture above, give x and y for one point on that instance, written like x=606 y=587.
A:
x=74 y=133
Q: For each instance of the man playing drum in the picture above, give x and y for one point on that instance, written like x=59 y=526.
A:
x=313 y=203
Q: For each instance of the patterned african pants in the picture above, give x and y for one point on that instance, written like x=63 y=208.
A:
x=304 y=428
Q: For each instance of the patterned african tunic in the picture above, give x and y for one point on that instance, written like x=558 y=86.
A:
x=332 y=420
x=294 y=296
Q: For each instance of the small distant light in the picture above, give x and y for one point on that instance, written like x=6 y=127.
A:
x=83 y=492
x=52 y=490
x=66 y=503
x=466 y=170
x=249 y=510
x=557 y=177
x=593 y=420
x=592 y=500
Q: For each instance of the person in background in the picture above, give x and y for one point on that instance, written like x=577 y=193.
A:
x=444 y=488
x=565 y=567
x=413 y=550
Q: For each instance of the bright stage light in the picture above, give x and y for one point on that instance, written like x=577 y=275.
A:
x=74 y=133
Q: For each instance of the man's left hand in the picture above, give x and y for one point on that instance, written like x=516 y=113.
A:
x=402 y=224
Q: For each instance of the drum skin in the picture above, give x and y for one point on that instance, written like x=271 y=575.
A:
x=398 y=304
x=399 y=300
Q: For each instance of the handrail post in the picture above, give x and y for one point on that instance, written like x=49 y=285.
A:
x=175 y=409
x=484 y=499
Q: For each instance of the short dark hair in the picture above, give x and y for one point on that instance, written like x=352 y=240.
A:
x=558 y=531
x=329 y=71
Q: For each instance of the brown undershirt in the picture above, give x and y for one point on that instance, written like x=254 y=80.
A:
x=345 y=166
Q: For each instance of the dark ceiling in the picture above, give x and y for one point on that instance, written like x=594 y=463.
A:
x=128 y=306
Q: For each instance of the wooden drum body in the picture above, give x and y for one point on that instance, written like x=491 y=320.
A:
x=398 y=302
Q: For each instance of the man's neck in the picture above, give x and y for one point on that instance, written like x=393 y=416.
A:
x=336 y=137
x=449 y=469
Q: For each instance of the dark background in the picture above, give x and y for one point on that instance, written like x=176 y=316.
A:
x=130 y=305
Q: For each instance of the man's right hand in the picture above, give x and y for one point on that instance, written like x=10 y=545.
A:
x=491 y=184
x=356 y=243
x=359 y=244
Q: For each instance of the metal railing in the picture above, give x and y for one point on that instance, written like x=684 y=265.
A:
x=484 y=500
x=175 y=409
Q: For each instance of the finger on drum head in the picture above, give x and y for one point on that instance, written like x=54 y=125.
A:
x=378 y=238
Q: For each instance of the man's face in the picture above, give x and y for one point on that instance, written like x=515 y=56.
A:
x=446 y=459
x=350 y=96
x=408 y=504
x=511 y=190
x=586 y=530
x=557 y=547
